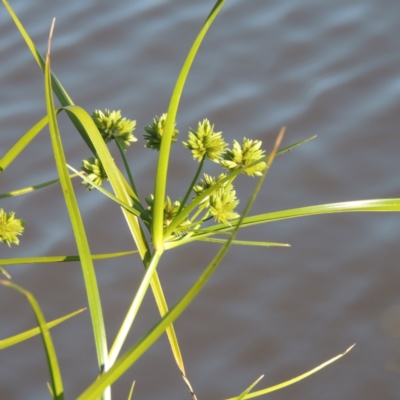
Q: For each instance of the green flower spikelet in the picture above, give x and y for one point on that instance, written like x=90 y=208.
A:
x=95 y=172
x=207 y=182
x=170 y=211
x=206 y=142
x=222 y=201
x=155 y=133
x=243 y=155
x=111 y=125
x=222 y=205
x=10 y=228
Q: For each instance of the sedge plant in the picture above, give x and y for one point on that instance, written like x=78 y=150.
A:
x=207 y=211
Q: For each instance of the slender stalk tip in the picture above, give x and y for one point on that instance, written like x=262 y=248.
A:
x=50 y=37
x=349 y=349
x=276 y=146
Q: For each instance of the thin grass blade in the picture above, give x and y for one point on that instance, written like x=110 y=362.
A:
x=59 y=90
x=294 y=145
x=172 y=245
x=5 y=273
x=54 y=369
x=248 y=390
x=11 y=341
x=163 y=160
x=294 y=380
x=106 y=192
x=131 y=391
x=77 y=224
x=376 y=205
x=31 y=189
x=18 y=147
x=246 y=242
x=58 y=259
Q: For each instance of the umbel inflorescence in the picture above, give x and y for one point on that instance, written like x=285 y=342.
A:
x=204 y=144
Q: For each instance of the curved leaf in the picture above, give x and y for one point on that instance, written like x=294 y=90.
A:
x=11 y=341
x=77 y=224
x=294 y=380
x=377 y=205
x=54 y=369
x=163 y=159
x=57 y=259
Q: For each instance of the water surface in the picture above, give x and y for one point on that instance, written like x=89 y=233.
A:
x=316 y=67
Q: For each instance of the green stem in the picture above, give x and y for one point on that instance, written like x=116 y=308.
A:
x=134 y=308
x=192 y=185
x=128 y=170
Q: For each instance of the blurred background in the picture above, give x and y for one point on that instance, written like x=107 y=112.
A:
x=316 y=67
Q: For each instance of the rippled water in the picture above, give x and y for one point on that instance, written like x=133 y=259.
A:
x=316 y=67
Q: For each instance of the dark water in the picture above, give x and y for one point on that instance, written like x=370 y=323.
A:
x=316 y=67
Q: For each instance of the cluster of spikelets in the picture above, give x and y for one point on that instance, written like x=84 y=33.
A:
x=204 y=144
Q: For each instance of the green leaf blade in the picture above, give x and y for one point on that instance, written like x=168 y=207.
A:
x=21 y=337
x=163 y=160
x=54 y=369
x=76 y=222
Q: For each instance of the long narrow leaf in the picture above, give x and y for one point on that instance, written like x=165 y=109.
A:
x=376 y=205
x=294 y=145
x=106 y=192
x=59 y=90
x=172 y=245
x=248 y=390
x=30 y=189
x=247 y=243
x=5 y=273
x=57 y=259
x=12 y=154
x=163 y=160
x=294 y=380
x=130 y=395
x=54 y=369
x=77 y=225
x=11 y=341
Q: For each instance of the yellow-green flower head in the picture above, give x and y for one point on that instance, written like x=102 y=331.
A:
x=155 y=133
x=95 y=172
x=207 y=182
x=10 y=228
x=222 y=205
x=206 y=142
x=170 y=211
x=111 y=125
x=245 y=154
